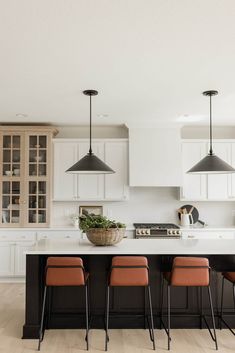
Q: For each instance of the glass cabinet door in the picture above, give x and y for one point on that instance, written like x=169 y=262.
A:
x=10 y=180
x=37 y=175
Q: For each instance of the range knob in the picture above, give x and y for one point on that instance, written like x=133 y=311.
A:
x=143 y=231
x=170 y=232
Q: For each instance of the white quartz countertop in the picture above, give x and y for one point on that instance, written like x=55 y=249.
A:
x=136 y=246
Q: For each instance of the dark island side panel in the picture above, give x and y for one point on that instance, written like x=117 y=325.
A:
x=127 y=304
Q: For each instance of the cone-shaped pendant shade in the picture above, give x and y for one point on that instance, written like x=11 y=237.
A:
x=90 y=164
x=211 y=164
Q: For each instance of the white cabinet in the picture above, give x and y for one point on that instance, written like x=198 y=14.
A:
x=72 y=187
x=194 y=186
x=6 y=259
x=216 y=187
x=207 y=234
x=116 y=185
x=219 y=185
x=155 y=157
x=90 y=187
x=65 y=184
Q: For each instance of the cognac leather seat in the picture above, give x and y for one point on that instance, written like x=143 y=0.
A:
x=65 y=271
x=129 y=271
x=230 y=276
x=189 y=271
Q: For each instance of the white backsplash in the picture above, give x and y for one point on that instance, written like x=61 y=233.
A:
x=149 y=205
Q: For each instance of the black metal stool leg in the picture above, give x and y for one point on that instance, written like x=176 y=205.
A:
x=222 y=304
x=213 y=317
x=169 y=314
x=201 y=306
x=42 y=318
x=161 y=300
x=107 y=319
x=151 y=317
x=145 y=310
x=87 y=318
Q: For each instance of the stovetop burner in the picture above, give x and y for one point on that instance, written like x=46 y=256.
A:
x=156 y=225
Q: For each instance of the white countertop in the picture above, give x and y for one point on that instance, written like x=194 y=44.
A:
x=136 y=246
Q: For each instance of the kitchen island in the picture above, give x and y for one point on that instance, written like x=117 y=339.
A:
x=127 y=304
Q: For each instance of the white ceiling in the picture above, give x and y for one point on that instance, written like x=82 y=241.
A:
x=149 y=59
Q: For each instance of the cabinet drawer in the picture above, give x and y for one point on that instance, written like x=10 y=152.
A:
x=59 y=235
x=209 y=235
x=17 y=235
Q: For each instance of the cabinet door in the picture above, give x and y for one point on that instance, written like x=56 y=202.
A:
x=90 y=187
x=20 y=257
x=194 y=186
x=219 y=185
x=7 y=259
x=116 y=185
x=65 y=184
x=11 y=180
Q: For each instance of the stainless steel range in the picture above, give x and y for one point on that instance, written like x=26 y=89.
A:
x=157 y=230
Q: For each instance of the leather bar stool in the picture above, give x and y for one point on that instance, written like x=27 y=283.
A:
x=229 y=276
x=129 y=271
x=64 y=272
x=188 y=272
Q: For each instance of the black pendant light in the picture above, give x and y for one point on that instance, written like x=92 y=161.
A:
x=211 y=164
x=90 y=164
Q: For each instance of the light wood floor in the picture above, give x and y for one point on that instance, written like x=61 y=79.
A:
x=71 y=341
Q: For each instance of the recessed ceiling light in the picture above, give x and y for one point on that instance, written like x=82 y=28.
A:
x=21 y=116
x=102 y=115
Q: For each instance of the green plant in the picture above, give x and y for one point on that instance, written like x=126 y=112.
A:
x=94 y=221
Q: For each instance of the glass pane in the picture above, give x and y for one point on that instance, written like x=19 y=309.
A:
x=6 y=187
x=16 y=156
x=33 y=140
x=32 y=216
x=42 y=187
x=15 y=216
x=32 y=202
x=32 y=187
x=42 y=216
x=42 y=171
x=42 y=156
x=7 y=170
x=33 y=170
x=15 y=203
x=6 y=141
x=16 y=141
x=7 y=156
x=33 y=155
x=5 y=201
x=43 y=141
x=6 y=216
x=42 y=202
x=16 y=187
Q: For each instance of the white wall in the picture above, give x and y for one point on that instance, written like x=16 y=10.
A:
x=150 y=205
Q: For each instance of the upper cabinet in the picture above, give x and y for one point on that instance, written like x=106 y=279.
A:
x=25 y=176
x=213 y=187
x=75 y=187
x=155 y=157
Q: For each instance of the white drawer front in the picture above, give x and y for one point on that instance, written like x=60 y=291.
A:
x=17 y=235
x=59 y=235
x=208 y=235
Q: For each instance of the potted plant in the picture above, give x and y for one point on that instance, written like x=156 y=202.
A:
x=102 y=231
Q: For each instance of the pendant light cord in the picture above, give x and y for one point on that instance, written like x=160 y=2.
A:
x=211 y=148
x=90 y=149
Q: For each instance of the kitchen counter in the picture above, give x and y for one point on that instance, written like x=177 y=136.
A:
x=136 y=246
x=67 y=303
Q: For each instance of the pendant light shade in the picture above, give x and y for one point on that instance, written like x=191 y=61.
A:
x=90 y=164
x=211 y=164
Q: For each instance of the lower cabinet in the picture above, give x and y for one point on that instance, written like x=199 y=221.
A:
x=20 y=257
x=7 y=254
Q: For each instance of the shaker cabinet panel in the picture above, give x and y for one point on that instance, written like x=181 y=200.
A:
x=219 y=185
x=20 y=257
x=194 y=186
x=116 y=156
x=7 y=259
x=90 y=187
x=65 y=184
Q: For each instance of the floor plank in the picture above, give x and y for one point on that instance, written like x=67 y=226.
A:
x=72 y=341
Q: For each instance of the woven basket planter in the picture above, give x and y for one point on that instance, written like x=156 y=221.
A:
x=102 y=236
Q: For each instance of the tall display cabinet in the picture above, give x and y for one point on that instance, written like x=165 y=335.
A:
x=25 y=175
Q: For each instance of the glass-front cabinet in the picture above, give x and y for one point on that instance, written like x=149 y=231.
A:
x=25 y=176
